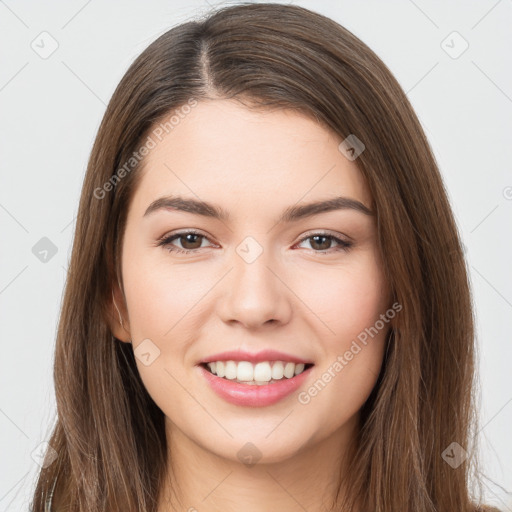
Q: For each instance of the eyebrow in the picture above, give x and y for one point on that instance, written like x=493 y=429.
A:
x=291 y=214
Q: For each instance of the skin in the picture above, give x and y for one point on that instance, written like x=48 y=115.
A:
x=302 y=298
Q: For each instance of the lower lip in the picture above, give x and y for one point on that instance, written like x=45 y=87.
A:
x=253 y=395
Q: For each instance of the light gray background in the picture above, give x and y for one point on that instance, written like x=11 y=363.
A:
x=51 y=109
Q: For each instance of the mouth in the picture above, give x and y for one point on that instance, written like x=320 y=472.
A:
x=256 y=374
x=263 y=384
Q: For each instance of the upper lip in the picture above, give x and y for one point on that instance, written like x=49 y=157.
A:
x=257 y=357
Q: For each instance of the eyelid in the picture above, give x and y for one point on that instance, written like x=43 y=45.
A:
x=174 y=235
x=193 y=231
x=326 y=232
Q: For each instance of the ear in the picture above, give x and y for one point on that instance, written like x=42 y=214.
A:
x=118 y=316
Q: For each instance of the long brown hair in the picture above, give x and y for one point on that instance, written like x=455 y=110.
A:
x=109 y=435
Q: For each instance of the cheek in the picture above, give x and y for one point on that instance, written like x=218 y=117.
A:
x=160 y=303
x=352 y=357
x=347 y=299
x=159 y=295
x=348 y=303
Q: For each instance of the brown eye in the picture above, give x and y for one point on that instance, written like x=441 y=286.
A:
x=321 y=243
x=190 y=242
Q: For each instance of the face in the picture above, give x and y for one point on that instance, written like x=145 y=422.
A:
x=308 y=285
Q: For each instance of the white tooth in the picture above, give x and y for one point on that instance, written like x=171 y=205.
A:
x=220 y=368
x=277 y=370
x=299 y=368
x=262 y=372
x=231 y=370
x=261 y=382
x=245 y=371
x=289 y=370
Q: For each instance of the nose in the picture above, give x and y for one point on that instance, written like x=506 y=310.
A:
x=255 y=293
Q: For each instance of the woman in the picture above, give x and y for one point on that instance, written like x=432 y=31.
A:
x=267 y=306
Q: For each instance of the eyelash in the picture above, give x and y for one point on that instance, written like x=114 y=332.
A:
x=166 y=242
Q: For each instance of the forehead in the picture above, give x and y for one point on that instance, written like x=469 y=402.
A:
x=245 y=159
